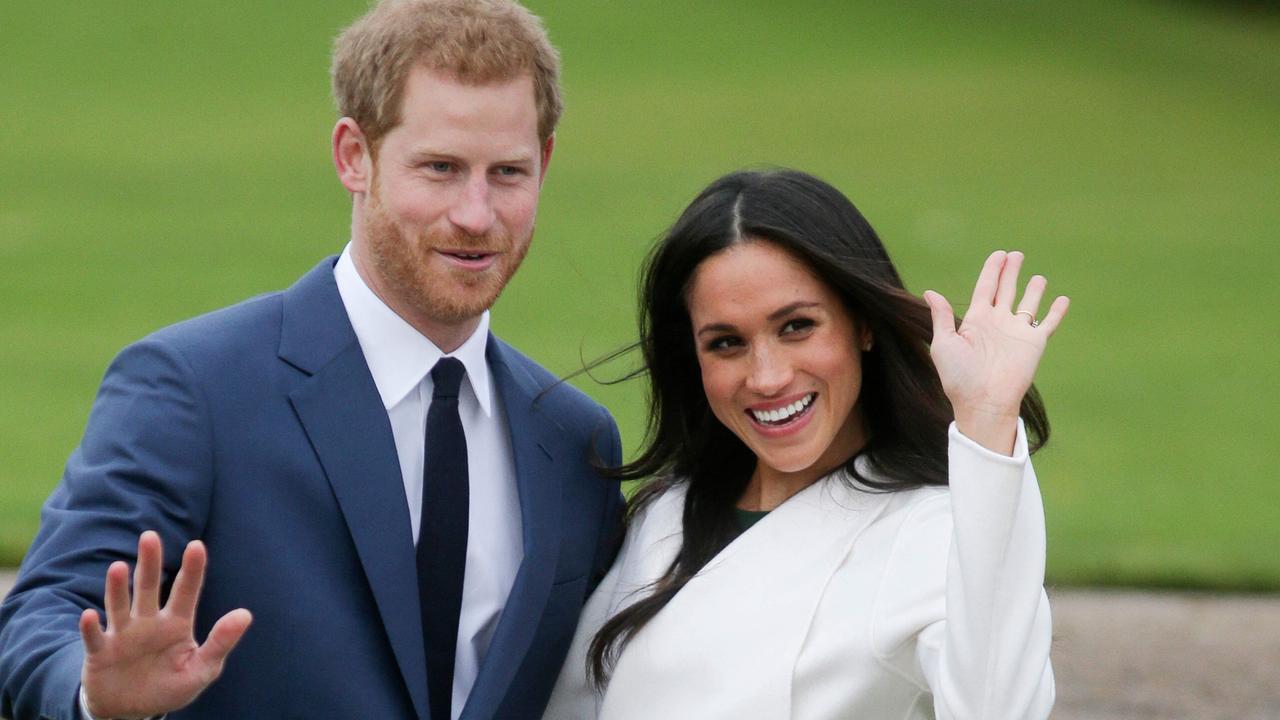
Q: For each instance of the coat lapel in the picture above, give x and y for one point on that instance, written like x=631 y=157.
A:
x=742 y=621
x=342 y=414
x=535 y=441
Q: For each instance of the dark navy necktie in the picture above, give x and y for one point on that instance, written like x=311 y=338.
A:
x=442 y=538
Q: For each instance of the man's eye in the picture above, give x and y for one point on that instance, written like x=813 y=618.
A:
x=440 y=166
x=509 y=171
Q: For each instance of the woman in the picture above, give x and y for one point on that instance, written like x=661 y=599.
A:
x=842 y=521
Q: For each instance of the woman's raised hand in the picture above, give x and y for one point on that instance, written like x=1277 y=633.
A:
x=987 y=364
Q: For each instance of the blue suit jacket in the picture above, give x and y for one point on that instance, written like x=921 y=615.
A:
x=258 y=429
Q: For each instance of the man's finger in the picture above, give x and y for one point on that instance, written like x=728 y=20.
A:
x=944 y=320
x=984 y=291
x=186 y=586
x=116 y=595
x=222 y=639
x=146 y=576
x=91 y=631
x=1008 y=287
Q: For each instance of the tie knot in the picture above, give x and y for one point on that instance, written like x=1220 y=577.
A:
x=447 y=377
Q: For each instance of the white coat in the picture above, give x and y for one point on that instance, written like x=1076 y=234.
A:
x=841 y=603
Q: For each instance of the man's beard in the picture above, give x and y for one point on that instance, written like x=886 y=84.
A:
x=413 y=272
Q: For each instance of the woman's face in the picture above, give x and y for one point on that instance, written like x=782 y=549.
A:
x=780 y=358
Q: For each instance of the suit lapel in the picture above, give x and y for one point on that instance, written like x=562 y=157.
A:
x=535 y=442
x=342 y=414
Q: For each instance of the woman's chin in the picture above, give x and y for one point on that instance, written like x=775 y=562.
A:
x=788 y=463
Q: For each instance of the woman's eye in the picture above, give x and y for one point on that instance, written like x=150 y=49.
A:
x=723 y=343
x=797 y=325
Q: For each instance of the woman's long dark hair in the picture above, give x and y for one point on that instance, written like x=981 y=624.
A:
x=905 y=411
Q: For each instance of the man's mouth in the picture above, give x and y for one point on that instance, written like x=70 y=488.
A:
x=785 y=415
x=471 y=260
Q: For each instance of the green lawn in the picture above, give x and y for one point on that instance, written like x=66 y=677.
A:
x=161 y=159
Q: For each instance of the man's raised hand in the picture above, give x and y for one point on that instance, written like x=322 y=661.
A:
x=147 y=661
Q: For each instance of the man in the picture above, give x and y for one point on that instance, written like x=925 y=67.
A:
x=404 y=507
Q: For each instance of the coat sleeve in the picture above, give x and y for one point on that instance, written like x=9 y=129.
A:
x=145 y=463
x=985 y=654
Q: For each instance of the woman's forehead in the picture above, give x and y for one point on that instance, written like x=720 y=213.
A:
x=753 y=280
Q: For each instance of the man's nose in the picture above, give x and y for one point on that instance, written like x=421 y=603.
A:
x=770 y=373
x=472 y=212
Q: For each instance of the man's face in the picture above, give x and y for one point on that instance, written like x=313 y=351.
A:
x=454 y=190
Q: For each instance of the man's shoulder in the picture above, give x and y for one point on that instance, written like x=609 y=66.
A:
x=240 y=330
x=226 y=328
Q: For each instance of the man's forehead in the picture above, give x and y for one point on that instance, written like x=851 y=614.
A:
x=424 y=78
x=434 y=100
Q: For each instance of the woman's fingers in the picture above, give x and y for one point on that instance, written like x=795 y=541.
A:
x=116 y=595
x=146 y=576
x=1031 y=298
x=1057 y=311
x=944 y=319
x=1007 y=290
x=185 y=593
x=984 y=291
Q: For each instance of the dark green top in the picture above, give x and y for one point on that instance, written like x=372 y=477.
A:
x=747 y=518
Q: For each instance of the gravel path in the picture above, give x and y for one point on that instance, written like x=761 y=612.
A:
x=1126 y=655
x=1139 y=655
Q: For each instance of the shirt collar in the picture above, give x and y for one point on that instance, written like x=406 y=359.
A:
x=397 y=354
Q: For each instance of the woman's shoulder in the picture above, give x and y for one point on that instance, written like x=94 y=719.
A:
x=915 y=513
x=654 y=535
x=905 y=500
x=922 y=499
x=658 y=511
x=658 y=494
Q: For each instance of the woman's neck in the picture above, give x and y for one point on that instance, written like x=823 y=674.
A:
x=768 y=490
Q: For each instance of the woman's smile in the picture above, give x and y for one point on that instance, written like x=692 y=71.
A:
x=779 y=419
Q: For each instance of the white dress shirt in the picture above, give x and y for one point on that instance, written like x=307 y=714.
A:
x=400 y=360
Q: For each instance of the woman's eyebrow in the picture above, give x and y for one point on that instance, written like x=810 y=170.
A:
x=715 y=327
x=788 y=309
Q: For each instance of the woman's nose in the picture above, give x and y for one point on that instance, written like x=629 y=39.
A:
x=770 y=372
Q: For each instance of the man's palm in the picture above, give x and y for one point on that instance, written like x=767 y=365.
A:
x=147 y=661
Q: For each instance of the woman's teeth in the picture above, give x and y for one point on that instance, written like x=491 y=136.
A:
x=782 y=415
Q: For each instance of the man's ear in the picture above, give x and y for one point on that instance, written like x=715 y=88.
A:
x=351 y=156
x=547 y=147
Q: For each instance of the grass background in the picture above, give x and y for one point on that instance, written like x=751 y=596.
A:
x=162 y=159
